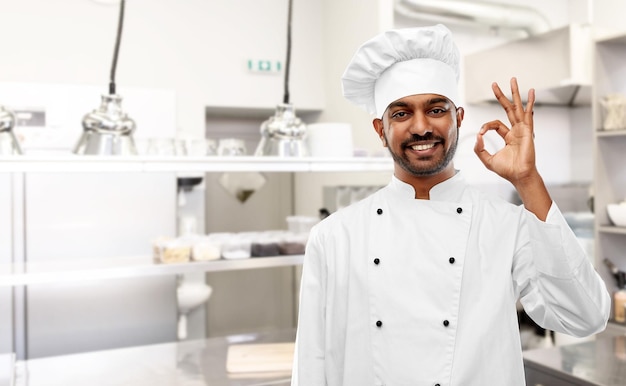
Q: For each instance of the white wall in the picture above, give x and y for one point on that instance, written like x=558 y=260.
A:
x=198 y=48
x=349 y=23
x=609 y=15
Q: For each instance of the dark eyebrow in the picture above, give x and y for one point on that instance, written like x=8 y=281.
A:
x=437 y=100
x=431 y=101
x=398 y=104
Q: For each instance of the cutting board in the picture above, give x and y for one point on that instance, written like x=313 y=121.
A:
x=260 y=357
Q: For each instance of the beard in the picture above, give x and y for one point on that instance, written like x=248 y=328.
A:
x=424 y=170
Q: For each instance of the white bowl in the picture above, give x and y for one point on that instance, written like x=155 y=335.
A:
x=617 y=214
x=192 y=295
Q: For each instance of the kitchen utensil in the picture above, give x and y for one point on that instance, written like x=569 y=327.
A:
x=8 y=142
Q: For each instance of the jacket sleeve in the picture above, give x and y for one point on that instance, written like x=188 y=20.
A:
x=557 y=284
x=308 y=366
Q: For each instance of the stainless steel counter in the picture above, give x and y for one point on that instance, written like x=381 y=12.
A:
x=203 y=363
x=601 y=362
x=188 y=363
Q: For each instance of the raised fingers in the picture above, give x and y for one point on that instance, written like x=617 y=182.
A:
x=504 y=101
x=517 y=99
x=529 y=107
x=514 y=109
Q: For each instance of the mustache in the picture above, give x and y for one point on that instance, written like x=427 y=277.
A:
x=416 y=138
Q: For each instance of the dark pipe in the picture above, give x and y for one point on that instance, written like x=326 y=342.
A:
x=288 y=60
x=116 y=51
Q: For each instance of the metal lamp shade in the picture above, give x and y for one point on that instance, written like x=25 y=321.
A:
x=8 y=142
x=283 y=135
x=107 y=130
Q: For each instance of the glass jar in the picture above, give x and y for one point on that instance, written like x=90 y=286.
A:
x=231 y=147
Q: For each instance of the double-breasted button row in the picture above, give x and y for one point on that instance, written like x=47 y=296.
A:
x=459 y=210
x=377 y=260
x=379 y=323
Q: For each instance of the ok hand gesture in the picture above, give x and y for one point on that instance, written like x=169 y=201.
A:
x=515 y=162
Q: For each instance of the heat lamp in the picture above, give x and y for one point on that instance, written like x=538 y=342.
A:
x=8 y=143
x=284 y=133
x=108 y=130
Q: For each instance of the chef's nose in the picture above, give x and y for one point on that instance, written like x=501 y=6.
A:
x=420 y=124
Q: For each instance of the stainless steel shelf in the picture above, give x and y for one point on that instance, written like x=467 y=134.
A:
x=610 y=133
x=123 y=267
x=611 y=38
x=612 y=229
x=76 y=163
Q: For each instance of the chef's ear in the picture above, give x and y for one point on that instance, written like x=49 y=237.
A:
x=378 y=126
x=460 y=114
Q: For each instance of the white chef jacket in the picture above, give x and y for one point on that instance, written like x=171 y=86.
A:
x=400 y=291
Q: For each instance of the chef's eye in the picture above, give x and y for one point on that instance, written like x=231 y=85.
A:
x=437 y=111
x=399 y=114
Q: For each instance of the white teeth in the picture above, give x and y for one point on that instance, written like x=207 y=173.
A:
x=423 y=147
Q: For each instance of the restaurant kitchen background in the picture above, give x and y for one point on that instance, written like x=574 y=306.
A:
x=199 y=78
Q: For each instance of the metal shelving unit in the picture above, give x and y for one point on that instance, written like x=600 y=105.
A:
x=612 y=229
x=36 y=273
x=609 y=149
x=121 y=267
x=75 y=163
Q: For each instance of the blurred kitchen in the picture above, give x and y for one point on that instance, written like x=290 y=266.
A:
x=147 y=249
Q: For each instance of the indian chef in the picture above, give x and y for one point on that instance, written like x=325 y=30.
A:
x=418 y=283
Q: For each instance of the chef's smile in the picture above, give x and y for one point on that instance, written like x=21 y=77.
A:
x=424 y=149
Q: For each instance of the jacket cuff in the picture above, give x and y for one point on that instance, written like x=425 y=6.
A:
x=561 y=253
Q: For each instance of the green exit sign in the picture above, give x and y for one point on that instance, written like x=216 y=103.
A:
x=265 y=66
